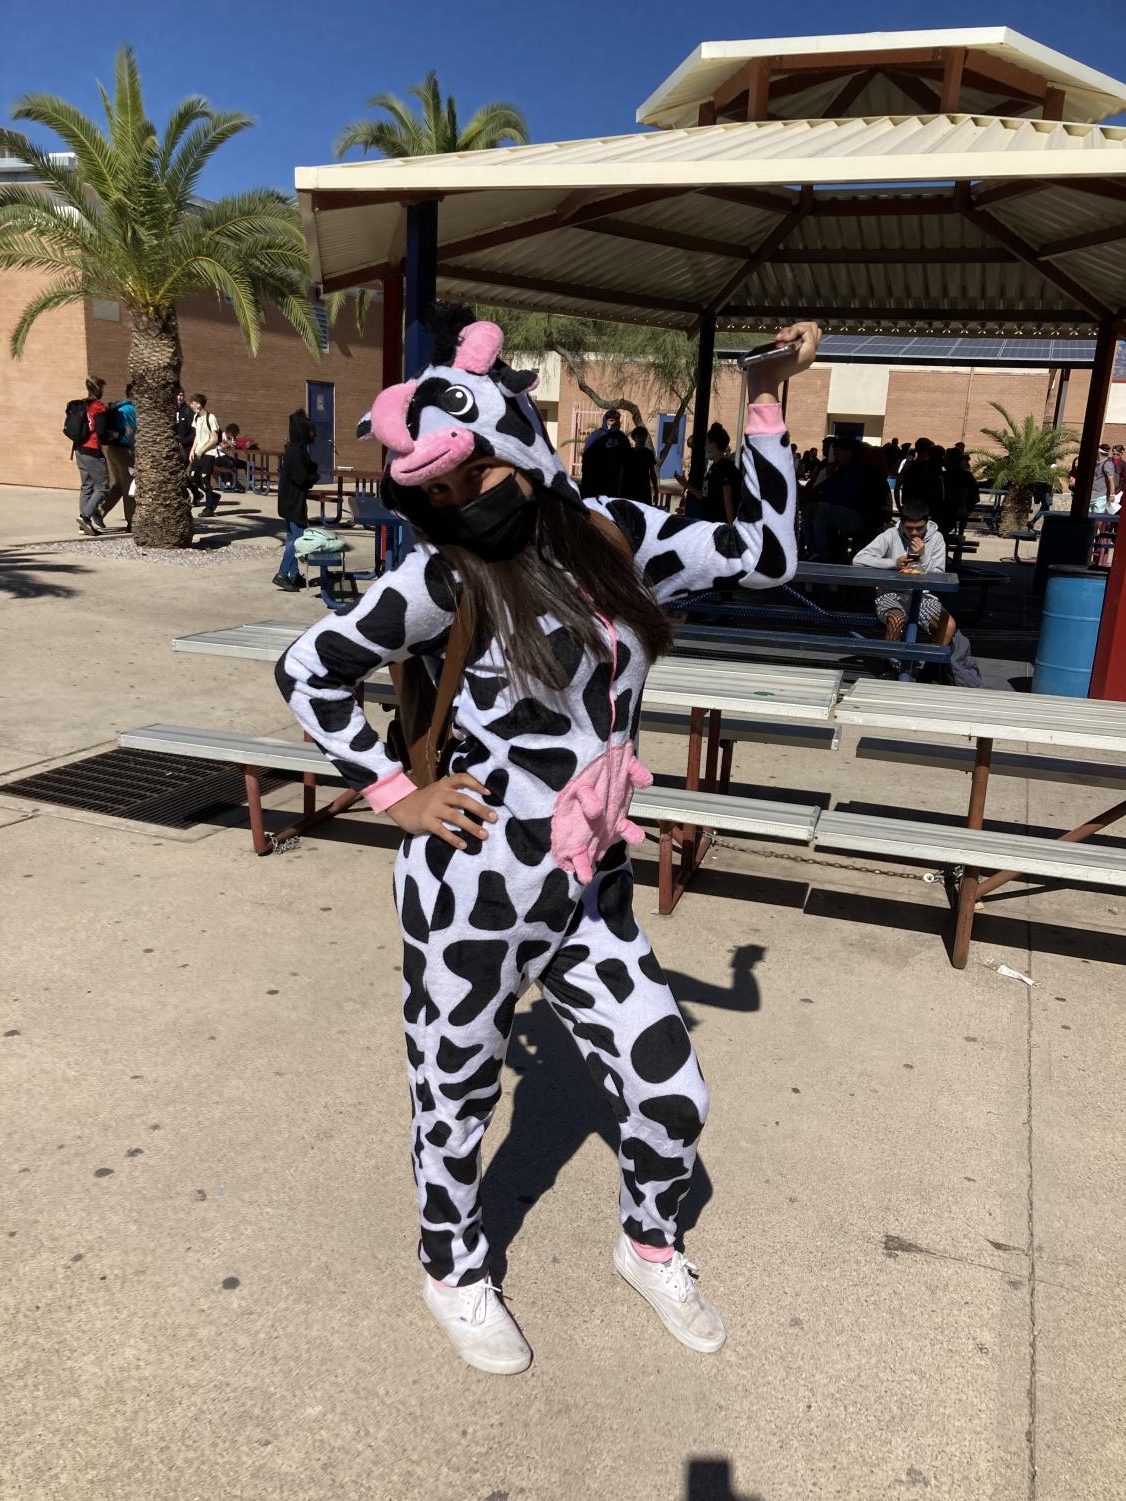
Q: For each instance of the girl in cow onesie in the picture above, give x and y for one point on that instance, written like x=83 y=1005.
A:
x=514 y=870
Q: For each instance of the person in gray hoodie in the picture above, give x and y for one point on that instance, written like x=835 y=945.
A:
x=916 y=545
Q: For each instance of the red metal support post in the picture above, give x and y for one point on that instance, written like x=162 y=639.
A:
x=1099 y=391
x=1108 y=676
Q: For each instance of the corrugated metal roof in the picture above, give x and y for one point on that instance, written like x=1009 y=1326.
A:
x=945 y=230
x=1088 y=94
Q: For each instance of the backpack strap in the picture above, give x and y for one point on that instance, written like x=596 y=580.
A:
x=430 y=744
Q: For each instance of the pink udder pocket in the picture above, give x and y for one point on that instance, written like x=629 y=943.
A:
x=591 y=811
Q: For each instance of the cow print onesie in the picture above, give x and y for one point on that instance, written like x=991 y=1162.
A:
x=481 y=925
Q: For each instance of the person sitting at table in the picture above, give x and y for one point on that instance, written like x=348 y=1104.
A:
x=232 y=451
x=915 y=545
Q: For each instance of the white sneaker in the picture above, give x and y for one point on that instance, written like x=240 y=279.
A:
x=479 y=1326
x=670 y=1286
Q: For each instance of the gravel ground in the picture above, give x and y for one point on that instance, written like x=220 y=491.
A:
x=202 y=552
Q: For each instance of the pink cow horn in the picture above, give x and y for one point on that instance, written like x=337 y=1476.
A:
x=389 y=417
x=478 y=348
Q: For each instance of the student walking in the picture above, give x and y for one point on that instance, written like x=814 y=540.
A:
x=85 y=426
x=202 y=456
x=515 y=869
x=119 y=446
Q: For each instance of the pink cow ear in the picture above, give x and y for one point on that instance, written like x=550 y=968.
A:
x=478 y=348
x=389 y=417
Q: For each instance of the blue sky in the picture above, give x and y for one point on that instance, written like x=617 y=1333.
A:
x=576 y=67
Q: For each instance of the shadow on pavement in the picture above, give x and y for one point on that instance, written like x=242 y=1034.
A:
x=710 y=1480
x=23 y=576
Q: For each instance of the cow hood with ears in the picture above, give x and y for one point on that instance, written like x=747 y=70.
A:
x=474 y=406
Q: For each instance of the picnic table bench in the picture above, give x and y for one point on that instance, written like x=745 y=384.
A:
x=985 y=715
x=783 y=705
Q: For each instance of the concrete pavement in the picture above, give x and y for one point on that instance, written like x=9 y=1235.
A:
x=910 y=1194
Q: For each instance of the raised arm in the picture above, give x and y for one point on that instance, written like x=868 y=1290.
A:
x=758 y=550
x=406 y=613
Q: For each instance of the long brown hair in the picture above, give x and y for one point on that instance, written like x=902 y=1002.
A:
x=573 y=572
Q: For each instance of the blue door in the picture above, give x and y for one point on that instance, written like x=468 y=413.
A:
x=670 y=430
x=320 y=399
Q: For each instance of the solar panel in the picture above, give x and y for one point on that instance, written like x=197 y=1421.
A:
x=929 y=350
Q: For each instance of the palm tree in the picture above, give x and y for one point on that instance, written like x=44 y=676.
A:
x=1030 y=454
x=123 y=222
x=438 y=129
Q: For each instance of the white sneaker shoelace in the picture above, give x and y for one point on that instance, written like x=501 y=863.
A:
x=483 y=1305
x=679 y=1274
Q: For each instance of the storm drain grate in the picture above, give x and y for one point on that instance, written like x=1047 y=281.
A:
x=173 y=791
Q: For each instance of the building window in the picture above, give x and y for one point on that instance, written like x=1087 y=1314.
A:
x=108 y=309
x=320 y=318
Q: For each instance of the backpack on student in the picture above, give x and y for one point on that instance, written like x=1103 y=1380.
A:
x=76 y=423
x=115 y=426
x=419 y=732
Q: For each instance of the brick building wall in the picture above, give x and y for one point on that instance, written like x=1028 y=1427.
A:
x=257 y=392
x=35 y=389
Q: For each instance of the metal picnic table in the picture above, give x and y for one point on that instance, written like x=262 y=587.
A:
x=707 y=689
x=986 y=715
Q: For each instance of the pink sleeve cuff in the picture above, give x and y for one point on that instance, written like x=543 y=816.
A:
x=389 y=790
x=764 y=419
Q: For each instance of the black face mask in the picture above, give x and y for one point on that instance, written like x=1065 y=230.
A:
x=496 y=526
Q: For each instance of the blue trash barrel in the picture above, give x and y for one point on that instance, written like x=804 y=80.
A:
x=1069 y=630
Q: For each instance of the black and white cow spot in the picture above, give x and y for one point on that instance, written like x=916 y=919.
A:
x=772 y=484
x=411 y=915
x=616 y=978
x=333 y=714
x=615 y=904
x=596 y=700
x=514 y=424
x=497 y=783
x=479 y=1108
x=363 y=740
x=463 y=1169
x=451 y=1058
x=529 y=951
x=425 y=1096
x=478 y=960
x=553 y=765
x=439 y=1134
x=557 y=980
x=553 y=906
x=415 y=1055
x=662 y=566
x=493 y=910
x=385 y=624
x=285 y=681
x=529 y=839
x=438 y=856
x=630 y=519
x=528 y=716
x=416 y=1002
x=677 y=1114
x=673 y=525
x=772 y=561
x=649 y=1164
x=622 y=658
x=609 y=1082
x=661 y=1050
x=598 y=1036
x=727 y=542
x=482 y=1077
x=445 y=905
x=438 y=1208
x=667 y=1201
x=484 y=689
x=650 y=967
x=566 y=650
x=502 y=1017
x=624 y=708
x=440 y=585
x=644 y=1237
x=438 y=1252
x=345 y=661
